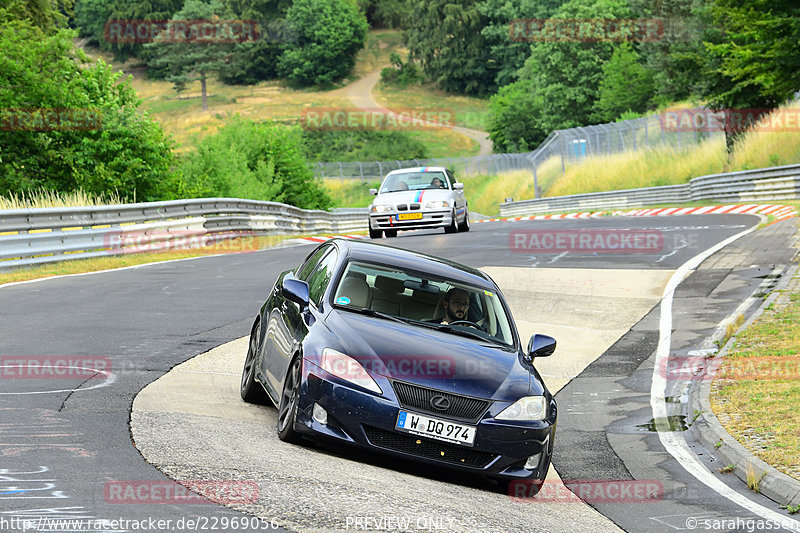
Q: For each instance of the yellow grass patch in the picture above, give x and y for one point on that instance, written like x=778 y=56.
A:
x=641 y=168
x=761 y=407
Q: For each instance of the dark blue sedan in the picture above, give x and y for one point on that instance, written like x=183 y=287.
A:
x=406 y=354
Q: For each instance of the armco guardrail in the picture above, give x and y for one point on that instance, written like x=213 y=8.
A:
x=767 y=184
x=34 y=236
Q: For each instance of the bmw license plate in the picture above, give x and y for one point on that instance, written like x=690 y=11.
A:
x=409 y=216
x=436 y=428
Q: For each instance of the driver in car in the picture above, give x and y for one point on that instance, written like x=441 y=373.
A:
x=456 y=305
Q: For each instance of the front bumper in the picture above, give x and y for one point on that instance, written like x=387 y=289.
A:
x=360 y=418
x=430 y=219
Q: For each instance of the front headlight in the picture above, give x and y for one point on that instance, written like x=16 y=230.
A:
x=436 y=204
x=380 y=208
x=348 y=369
x=529 y=408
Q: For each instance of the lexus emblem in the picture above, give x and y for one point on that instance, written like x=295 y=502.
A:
x=440 y=403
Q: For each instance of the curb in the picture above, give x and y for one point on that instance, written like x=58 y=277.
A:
x=707 y=429
x=777 y=210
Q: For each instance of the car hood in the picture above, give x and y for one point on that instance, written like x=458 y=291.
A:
x=432 y=358
x=409 y=197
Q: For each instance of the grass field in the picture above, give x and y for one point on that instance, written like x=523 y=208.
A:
x=756 y=394
x=182 y=117
x=467 y=112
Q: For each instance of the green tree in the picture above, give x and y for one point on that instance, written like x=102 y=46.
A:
x=385 y=13
x=329 y=35
x=247 y=159
x=758 y=52
x=72 y=124
x=626 y=85
x=188 y=57
x=559 y=83
x=675 y=55
x=508 y=49
x=444 y=36
x=256 y=60
x=92 y=16
x=47 y=15
x=515 y=123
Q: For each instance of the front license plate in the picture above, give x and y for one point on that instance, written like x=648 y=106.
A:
x=409 y=216
x=436 y=428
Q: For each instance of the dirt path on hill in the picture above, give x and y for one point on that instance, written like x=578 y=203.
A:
x=360 y=94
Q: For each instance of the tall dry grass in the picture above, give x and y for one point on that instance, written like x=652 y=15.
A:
x=772 y=142
x=45 y=198
x=641 y=168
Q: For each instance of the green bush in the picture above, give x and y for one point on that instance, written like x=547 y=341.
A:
x=401 y=74
x=71 y=124
x=361 y=145
x=260 y=161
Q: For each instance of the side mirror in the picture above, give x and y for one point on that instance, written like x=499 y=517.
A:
x=295 y=290
x=458 y=186
x=373 y=192
x=541 y=346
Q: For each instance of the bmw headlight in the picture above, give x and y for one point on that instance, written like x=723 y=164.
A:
x=528 y=408
x=436 y=204
x=381 y=208
x=348 y=369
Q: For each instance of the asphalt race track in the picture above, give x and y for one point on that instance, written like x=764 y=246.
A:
x=66 y=443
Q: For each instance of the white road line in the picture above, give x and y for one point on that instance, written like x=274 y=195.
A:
x=674 y=442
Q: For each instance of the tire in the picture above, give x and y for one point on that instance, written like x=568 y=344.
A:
x=287 y=407
x=250 y=390
x=375 y=234
x=464 y=226
x=390 y=233
x=453 y=227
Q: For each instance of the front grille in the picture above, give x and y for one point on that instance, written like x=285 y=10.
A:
x=402 y=207
x=414 y=207
x=428 y=448
x=464 y=408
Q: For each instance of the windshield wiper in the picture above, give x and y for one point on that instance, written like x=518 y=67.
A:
x=372 y=312
x=463 y=332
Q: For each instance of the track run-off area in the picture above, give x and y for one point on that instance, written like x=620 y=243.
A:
x=621 y=295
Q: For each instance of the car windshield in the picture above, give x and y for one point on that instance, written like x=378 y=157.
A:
x=415 y=181
x=424 y=300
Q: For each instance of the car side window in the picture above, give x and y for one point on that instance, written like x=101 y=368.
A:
x=319 y=279
x=450 y=177
x=305 y=268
